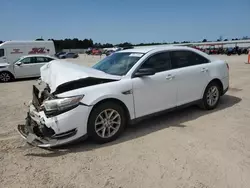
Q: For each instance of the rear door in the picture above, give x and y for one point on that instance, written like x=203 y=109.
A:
x=39 y=62
x=192 y=75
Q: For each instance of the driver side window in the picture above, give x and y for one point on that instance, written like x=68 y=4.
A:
x=160 y=62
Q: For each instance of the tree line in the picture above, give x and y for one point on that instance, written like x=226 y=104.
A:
x=75 y=43
x=83 y=44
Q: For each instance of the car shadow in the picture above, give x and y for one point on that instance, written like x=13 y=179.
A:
x=166 y=120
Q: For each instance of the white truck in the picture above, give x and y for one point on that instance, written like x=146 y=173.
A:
x=12 y=53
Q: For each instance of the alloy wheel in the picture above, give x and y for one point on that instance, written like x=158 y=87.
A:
x=212 y=95
x=5 y=77
x=107 y=123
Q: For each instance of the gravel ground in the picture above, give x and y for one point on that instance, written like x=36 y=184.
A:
x=190 y=148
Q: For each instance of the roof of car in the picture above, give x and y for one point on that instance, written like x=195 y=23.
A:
x=38 y=55
x=147 y=49
x=154 y=49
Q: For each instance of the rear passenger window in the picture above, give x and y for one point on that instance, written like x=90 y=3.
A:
x=181 y=59
x=43 y=59
x=1 y=52
x=49 y=59
x=40 y=59
x=198 y=59
x=160 y=62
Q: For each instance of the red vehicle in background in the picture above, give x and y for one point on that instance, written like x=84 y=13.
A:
x=96 y=52
x=201 y=49
x=213 y=51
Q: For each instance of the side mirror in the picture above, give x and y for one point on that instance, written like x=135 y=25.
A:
x=145 y=72
x=18 y=63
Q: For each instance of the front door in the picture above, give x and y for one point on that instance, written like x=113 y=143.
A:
x=27 y=68
x=156 y=92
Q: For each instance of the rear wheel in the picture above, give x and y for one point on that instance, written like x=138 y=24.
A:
x=211 y=96
x=106 y=122
x=5 y=77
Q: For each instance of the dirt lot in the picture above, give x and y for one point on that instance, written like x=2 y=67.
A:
x=190 y=148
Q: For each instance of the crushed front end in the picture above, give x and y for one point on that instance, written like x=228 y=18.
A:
x=52 y=128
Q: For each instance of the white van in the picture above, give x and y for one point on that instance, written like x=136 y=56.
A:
x=10 y=51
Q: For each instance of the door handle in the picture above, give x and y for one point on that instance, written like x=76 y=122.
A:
x=204 y=70
x=170 y=77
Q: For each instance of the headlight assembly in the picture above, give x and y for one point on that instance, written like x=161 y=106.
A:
x=60 y=105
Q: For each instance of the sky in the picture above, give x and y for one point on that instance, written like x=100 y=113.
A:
x=117 y=21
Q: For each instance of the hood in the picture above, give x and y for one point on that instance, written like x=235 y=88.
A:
x=4 y=64
x=57 y=73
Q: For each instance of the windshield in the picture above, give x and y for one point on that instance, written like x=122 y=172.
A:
x=118 y=63
x=18 y=59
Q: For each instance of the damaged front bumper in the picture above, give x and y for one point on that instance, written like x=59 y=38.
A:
x=38 y=134
x=35 y=134
x=43 y=131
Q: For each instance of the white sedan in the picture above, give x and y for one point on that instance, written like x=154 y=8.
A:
x=24 y=67
x=73 y=101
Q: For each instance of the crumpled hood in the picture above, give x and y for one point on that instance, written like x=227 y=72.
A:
x=59 y=72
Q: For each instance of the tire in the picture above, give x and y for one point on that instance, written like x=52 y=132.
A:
x=99 y=132
x=5 y=77
x=210 y=103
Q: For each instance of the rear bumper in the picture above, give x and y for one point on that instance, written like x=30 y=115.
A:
x=224 y=91
x=225 y=83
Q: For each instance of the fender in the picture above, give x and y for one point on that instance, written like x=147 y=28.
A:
x=110 y=90
x=127 y=100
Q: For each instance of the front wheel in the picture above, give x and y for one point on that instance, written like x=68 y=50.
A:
x=106 y=122
x=5 y=77
x=211 y=96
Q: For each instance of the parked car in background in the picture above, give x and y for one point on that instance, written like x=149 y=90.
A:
x=220 y=50
x=213 y=51
x=198 y=48
x=127 y=47
x=109 y=52
x=59 y=53
x=24 y=67
x=245 y=50
x=121 y=89
x=68 y=55
x=96 y=52
x=233 y=51
x=12 y=50
x=89 y=51
x=117 y=49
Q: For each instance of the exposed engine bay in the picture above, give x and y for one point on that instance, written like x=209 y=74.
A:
x=41 y=92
